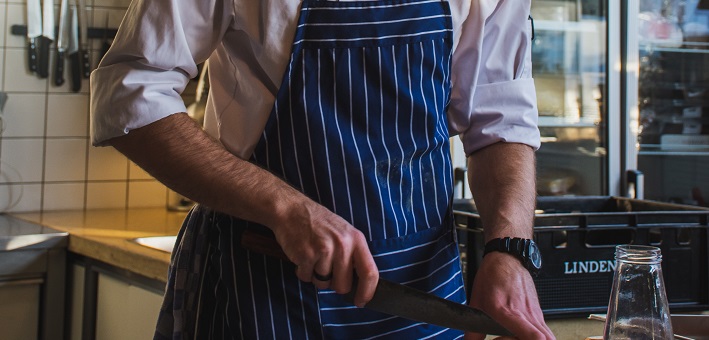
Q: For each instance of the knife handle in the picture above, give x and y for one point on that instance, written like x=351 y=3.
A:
x=85 y=64
x=75 y=59
x=32 y=54
x=43 y=58
x=59 y=69
x=262 y=244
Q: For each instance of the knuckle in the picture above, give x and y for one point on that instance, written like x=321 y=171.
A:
x=370 y=275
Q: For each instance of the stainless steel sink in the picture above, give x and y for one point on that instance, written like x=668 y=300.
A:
x=162 y=243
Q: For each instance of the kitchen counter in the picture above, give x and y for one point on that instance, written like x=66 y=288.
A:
x=16 y=233
x=105 y=235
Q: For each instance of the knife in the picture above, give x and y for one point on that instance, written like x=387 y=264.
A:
x=397 y=299
x=73 y=51
x=62 y=42
x=46 y=39
x=34 y=31
x=84 y=39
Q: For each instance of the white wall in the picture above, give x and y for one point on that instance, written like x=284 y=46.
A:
x=46 y=161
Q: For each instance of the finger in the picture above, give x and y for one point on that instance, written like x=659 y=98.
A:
x=320 y=277
x=368 y=275
x=537 y=318
x=520 y=326
x=342 y=272
x=304 y=271
x=543 y=327
x=322 y=271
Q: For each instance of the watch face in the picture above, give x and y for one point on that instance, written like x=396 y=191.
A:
x=535 y=257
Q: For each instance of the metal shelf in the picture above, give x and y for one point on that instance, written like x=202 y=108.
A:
x=687 y=47
x=673 y=150
x=546 y=121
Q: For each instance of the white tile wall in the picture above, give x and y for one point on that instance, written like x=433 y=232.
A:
x=2 y=65
x=136 y=172
x=21 y=160
x=67 y=115
x=106 y=195
x=107 y=164
x=64 y=196
x=20 y=197
x=46 y=162
x=64 y=160
x=17 y=76
x=146 y=194
x=15 y=15
x=24 y=115
x=3 y=14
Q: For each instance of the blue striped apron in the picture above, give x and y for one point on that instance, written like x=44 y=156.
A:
x=359 y=125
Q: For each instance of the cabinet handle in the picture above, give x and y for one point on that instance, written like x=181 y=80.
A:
x=23 y=282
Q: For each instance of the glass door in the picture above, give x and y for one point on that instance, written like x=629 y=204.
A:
x=671 y=126
x=570 y=68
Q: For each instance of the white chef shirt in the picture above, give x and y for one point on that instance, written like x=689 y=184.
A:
x=248 y=42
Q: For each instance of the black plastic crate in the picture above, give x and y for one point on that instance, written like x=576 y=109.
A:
x=577 y=238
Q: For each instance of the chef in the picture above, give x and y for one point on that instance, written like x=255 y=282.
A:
x=327 y=127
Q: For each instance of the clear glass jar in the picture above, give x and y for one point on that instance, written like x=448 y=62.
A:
x=638 y=307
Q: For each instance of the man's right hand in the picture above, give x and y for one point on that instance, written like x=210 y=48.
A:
x=323 y=244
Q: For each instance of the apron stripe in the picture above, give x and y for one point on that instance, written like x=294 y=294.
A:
x=335 y=6
x=337 y=116
x=385 y=227
x=337 y=25
x=362 y=23
x=233 y=273
x=324 y=130
x=314 y=184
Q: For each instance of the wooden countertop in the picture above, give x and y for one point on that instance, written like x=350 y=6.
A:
x=105 y=235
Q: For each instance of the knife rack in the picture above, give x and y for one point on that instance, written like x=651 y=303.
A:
x=93 y=32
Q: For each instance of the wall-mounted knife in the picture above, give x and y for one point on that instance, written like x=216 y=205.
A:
x=62 y=42
x=46 y=39
x=84 y=39
x=34 y=31
x=73 y=51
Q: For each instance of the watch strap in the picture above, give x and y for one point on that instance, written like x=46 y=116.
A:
x=514 y=245
x=519 y=247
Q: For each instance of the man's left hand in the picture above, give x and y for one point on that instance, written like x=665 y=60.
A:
x=504 y=289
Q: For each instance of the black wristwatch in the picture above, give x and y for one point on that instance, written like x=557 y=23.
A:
x=524 y=249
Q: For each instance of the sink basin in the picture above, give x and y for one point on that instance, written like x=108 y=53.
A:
x=162 y=243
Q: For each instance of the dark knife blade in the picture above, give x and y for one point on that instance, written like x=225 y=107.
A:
x=47 y=37
x=34 y=31
x=62 y=42
x=396 y=299
x=84 y=39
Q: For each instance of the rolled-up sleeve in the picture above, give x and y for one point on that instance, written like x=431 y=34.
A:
x=493 y=95
x=153 y=57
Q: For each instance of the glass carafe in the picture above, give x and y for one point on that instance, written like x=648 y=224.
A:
x=638 y=307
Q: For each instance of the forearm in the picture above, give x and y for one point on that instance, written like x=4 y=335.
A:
x=177 y=152
x=502 y=179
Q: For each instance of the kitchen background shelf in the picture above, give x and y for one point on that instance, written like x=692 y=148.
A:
x=689 y=47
